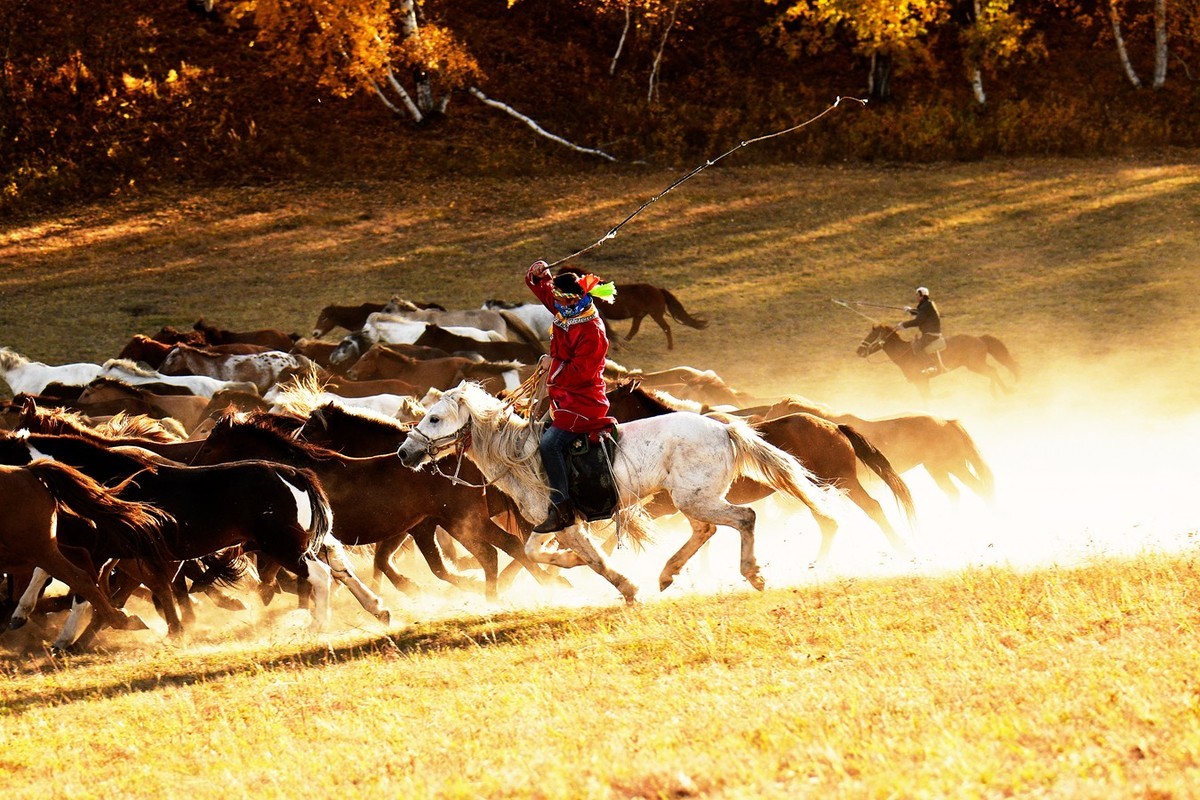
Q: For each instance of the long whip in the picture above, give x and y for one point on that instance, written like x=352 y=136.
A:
x=613 y=231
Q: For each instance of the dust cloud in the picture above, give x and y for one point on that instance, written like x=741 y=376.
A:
x=1090 y=462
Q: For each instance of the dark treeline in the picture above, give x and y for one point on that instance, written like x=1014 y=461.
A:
x=97 y=98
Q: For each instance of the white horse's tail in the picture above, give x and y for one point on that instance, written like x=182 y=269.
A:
x=761 y=461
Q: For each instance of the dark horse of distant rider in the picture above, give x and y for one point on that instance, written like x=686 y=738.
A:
x=575 y=385
x=929 y=342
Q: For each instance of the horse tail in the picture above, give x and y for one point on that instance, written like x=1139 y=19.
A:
x=870 y=455
x=320 y=514
x=974 y=461
x=761 y=461
x=998 y=351
x=679 y=314
x=129 y=525
x=224 y=568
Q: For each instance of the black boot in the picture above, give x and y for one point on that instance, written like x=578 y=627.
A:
x=560 y=516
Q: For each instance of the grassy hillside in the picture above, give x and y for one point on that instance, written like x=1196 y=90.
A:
x=1041 y=645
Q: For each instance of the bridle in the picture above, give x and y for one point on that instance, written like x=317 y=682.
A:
x=874 y=340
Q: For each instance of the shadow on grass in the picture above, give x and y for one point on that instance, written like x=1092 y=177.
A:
x=444 y=635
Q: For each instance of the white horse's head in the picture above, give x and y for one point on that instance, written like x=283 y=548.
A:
x=444 y=427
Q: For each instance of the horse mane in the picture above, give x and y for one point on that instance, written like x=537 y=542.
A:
x=66 y=422
x=55 y=420
x=513 y=445
x=11 y=359
x=106 y=382
x=278 y=429
x=300 y=394
x=664 y=401
x=140 y=426
x=367 y=414
x=131 y=367
x=807 y=406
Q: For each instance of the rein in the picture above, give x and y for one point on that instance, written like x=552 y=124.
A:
x=521 y=401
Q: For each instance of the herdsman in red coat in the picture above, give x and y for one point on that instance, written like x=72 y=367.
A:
x=575 y=385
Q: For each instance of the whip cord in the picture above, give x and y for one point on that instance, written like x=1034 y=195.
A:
x=613 y=231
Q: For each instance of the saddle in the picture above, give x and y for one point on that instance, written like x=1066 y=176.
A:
x=589 y=474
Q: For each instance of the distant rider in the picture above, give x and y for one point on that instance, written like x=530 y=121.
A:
x=928 y=321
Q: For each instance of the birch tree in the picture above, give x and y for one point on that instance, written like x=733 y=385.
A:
x=889 y=34
x=992 y=34
x=350 y=46
x=1119 y=15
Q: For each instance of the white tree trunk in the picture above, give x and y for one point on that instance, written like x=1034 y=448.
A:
x=1120 y=41
x=1160 y=43
x=975 y=71
x=652 y=92
x=612 y=67
x=977 y=86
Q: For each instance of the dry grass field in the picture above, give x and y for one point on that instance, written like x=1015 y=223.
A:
x=1045 y=645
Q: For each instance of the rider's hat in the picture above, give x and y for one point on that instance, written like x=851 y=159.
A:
x=921 y=290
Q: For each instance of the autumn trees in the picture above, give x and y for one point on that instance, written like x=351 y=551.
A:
x=117 y=95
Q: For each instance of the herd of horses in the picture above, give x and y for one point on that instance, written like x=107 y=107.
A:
x=200 y=459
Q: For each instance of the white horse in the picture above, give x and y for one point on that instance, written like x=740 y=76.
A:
x=694 y=458
x=125 y=370
x=395 y=329
x=534 y=316
x=24 y=376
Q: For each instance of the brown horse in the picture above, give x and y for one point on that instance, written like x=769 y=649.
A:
x=151 y=352
x=961 y=350
x=278 y=510
x=338 y=316
x=359 y=433
x=830 y=452
x=106 y=397
x=267 y=337
x=941 y=446
x=376 y=498
x=636 y=301
x=43 y=492
x=383 y=363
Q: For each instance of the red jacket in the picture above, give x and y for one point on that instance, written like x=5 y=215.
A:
x=578 y=347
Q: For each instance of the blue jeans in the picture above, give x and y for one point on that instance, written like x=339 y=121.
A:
x=553 y=447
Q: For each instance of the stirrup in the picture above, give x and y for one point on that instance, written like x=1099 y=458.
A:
x=559 y=517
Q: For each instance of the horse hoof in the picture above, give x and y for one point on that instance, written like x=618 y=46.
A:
x=17 y=622
x=757 y=581
x=384 y=617
x=134 y=623
x=665 y=581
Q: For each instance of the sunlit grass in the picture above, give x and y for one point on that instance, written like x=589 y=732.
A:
x=988 y=682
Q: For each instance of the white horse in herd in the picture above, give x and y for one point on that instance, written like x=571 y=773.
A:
x=25 y=376
x=693 y=457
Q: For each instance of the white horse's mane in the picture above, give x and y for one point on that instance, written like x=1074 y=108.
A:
x=512 y=445
x=677 y=403
x=11 y=359
x=131 y=367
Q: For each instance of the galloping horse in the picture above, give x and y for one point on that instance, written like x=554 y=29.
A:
x=942 y=446
x=42 y=498
x=694 y=458
x=961 y=350
x=279 y=510
x=636 y=301
x=830 y=451
x=375 y=498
